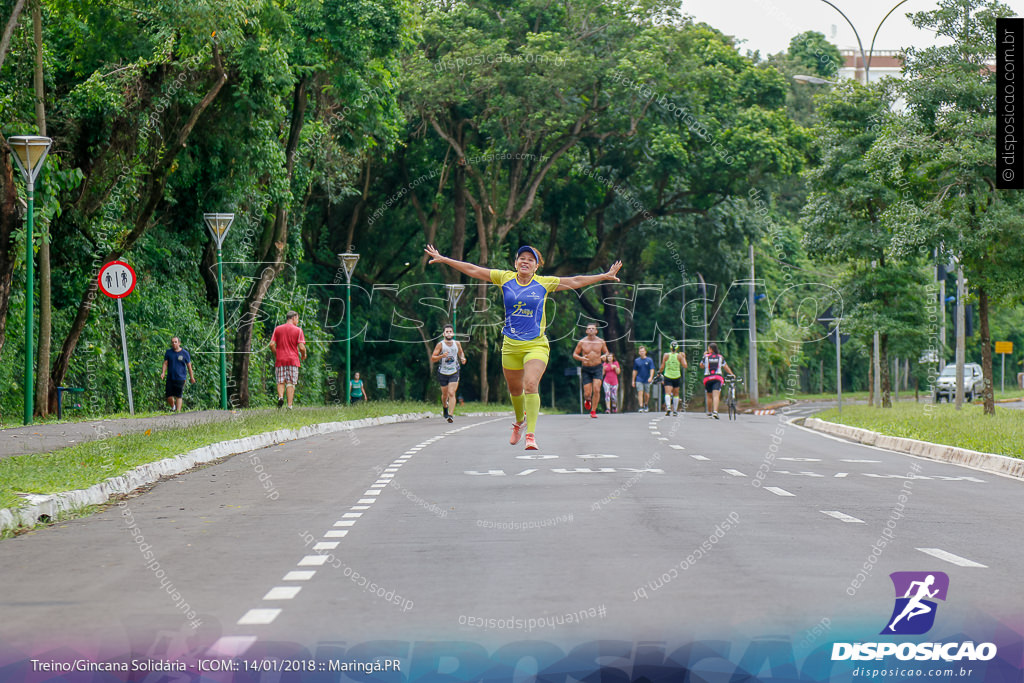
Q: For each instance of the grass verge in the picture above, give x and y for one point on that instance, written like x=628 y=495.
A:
x=1002 y=433
x=83 y=465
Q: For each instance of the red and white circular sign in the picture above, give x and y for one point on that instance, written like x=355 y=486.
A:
x=117 y=279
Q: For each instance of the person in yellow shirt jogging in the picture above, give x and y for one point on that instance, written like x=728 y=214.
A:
x=524 y=348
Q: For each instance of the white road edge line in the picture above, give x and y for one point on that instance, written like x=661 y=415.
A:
x=792 y=422
x=950 y=557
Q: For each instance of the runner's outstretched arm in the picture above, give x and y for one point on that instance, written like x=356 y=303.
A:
x=474 y=271
x=577 y=281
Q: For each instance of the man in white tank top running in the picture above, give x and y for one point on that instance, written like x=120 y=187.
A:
x=448 y=354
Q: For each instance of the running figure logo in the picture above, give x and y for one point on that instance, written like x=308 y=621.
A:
x=914 y=612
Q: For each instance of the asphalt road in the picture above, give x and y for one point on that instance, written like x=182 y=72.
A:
x=640 y=526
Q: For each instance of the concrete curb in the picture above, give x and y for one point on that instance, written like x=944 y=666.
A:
x=988 y=462
x=53 y=504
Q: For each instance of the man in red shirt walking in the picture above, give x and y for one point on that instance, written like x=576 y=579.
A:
x=289 y=347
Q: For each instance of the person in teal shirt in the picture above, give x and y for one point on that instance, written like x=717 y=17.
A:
x=356 y=389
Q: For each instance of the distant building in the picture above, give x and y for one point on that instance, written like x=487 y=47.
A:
x=883 y=63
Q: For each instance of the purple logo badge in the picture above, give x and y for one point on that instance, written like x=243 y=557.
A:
x=916 y=592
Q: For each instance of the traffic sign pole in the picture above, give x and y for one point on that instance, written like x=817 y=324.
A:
x=124 y=353
x=117 y=280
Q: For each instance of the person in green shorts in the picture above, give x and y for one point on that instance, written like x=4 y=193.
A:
x=524 y=348
x=672 y=365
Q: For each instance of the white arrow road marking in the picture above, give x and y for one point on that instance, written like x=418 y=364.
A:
x=950 y=557
x=842 y=518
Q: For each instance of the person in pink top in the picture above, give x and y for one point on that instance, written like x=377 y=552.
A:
x=612 y=370
x=289 y=346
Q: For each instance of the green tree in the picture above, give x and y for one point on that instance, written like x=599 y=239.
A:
x=941 y=151
x=843 y=223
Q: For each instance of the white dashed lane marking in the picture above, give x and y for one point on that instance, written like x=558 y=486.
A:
x=699 y=457
x=950 y=557
x=259 y=617
x=842 y=517
x=233 y=646
x=778 y=492
x=282 y=592
x=229 y=647
x=735 y=473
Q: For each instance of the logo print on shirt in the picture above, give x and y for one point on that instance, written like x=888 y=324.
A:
x=520 y=311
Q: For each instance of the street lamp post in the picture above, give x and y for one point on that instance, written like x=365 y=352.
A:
x=29 y=154
x=752 y=322
x=219 y=223
x=865 y=59
x=454 y=294
x=704 y=295
x=348 y=263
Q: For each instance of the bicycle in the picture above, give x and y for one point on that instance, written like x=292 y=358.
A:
x=730 y=397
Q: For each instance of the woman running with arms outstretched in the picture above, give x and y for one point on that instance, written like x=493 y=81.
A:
x=524 y=348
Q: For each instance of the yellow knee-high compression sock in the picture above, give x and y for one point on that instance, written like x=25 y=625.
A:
x=532 y=410
x=519 y=405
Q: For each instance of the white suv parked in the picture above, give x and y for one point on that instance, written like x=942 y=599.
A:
x=945 y=383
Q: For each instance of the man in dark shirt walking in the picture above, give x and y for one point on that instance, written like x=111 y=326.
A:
x=177 y=367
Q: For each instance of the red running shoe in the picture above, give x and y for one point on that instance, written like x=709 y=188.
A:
x=518 y=429
x=531 y=443
x=586 y=405
x=593 y=413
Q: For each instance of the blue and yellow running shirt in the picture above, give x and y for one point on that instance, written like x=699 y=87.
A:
x=524 y=305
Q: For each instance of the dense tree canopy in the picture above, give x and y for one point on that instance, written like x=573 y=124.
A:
x=593 y=130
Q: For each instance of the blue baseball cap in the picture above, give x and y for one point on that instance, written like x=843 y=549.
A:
x=536 y=254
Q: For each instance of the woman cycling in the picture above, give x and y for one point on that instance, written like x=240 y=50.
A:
x=524 y=348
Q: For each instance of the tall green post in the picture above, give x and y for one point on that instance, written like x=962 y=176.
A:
x=218 y=224
x=348 y=342
x=348 y=264
x=30 y=285
x=223 y=343
x=29 y=154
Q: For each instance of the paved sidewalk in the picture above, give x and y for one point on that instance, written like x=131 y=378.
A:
x=43 y=438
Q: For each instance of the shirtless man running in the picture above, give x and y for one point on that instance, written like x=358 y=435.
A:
x=591 y=351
